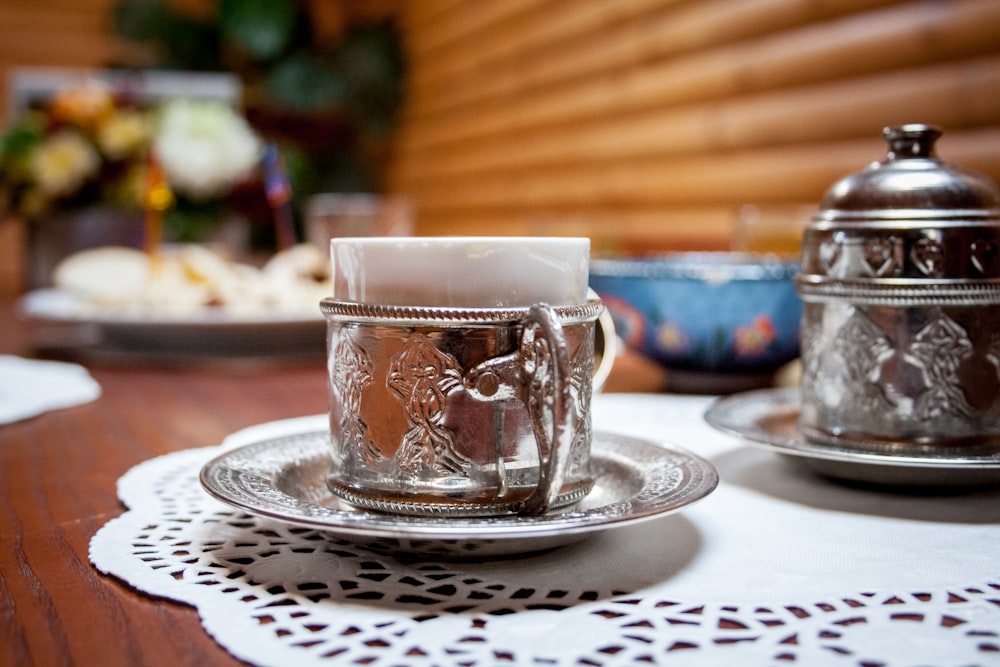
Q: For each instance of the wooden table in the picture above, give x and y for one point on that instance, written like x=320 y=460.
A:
x=57 y=480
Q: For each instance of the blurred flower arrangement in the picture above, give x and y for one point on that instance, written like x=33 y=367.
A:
x=324 y=92
x=324 y=79
x=90 y=146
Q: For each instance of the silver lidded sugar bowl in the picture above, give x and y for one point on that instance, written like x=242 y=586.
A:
x=900 y=282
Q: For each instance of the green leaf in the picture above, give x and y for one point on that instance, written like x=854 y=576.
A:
x=142 y=20
x=190 y=222
x=344 y=172
x=19 y=142
x=261 y=28
x=193 y=45
x=305 y=83
x=372 y=61
x=186 y=42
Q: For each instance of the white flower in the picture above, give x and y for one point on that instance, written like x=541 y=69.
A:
x=205 y=147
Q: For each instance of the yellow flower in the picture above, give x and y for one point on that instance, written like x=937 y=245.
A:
x=63 y=163
x=124 y=134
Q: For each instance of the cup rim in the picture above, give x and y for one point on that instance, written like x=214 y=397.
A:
x=352 y=311
x=458 y=240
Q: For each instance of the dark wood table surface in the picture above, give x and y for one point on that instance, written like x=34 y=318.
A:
x=57 y=481
x=58 y=473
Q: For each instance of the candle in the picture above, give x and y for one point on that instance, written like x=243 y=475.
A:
x=279 y=195
x=158 y=198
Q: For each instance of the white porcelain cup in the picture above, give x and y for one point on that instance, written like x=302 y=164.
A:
x=460 y=373
x=462 y=272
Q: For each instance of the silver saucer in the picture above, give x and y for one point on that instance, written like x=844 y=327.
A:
x=769 y=418
x=284 y=479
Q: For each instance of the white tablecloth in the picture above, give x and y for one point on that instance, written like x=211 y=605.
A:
x=777 y=566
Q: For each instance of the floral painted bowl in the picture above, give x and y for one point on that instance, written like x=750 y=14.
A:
x=731 y=317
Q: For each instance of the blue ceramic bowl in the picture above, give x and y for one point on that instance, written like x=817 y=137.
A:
x=712 y=312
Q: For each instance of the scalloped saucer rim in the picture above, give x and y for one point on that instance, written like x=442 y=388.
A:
x=767 y=418
x=283 y=478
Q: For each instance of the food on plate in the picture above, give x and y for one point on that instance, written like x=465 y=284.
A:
x=187 y=279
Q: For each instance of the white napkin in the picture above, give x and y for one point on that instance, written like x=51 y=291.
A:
x=29 y=387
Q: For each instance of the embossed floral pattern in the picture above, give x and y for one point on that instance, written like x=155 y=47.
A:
x=581 y=390
x=421 y=376
x=350 y=371
x=926 y=254
x=940 y=347
x=861 y=375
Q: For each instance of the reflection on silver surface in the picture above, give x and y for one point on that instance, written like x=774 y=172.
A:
x=769 y=418
x=285 y=479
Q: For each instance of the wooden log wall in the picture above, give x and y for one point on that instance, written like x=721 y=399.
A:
x=649 y=124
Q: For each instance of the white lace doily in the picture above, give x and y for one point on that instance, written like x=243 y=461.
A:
x=776 y=567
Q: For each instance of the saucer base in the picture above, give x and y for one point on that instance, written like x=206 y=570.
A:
x=364 y=499
x=769 y=419
x=285 y=479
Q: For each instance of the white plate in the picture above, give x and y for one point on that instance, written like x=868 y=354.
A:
x=769 y=418
x=284 y=478
x=211 y=332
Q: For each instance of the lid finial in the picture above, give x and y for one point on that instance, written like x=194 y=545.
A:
x=915 y=140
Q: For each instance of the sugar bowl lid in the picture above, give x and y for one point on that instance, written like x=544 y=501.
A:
x=912 y=183
x=911 y=228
